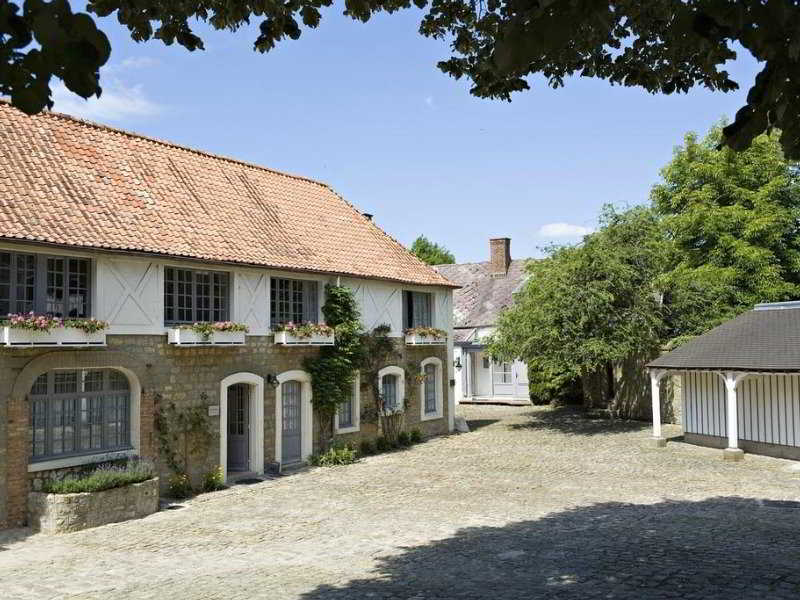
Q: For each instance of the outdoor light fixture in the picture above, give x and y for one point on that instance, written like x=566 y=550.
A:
x=272 y=380
x=457 y=363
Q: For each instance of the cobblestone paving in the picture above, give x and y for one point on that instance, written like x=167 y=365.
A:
x=531 y=504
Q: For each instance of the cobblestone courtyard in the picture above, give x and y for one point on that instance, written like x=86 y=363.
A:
x=531 y=504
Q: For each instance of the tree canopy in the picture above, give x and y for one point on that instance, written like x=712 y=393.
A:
x=722 y=233
x=662 y=46
x=431 y=253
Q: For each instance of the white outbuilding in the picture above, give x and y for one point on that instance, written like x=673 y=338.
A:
x=740 y=384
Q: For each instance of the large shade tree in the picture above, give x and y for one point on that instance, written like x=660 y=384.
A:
x=662 y=46
x=721 y=234
x=431 y=253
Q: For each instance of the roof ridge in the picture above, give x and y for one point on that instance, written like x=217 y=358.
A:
x=171 y=144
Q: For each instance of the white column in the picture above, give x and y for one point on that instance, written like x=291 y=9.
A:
x=655 y=391
x=731 y=379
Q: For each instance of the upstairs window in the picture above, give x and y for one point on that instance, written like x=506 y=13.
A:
x=192 y=296
x=417 y=309
x=293 y=301
x=59 y=286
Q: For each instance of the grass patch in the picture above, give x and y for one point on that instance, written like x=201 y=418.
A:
x=105 y=477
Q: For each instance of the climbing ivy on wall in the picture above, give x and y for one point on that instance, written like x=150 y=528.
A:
x=183 y=433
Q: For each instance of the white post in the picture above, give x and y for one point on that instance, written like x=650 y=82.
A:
x=655 y=391
x=732 y=452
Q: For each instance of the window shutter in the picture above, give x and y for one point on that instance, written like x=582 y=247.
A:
x=311 y=302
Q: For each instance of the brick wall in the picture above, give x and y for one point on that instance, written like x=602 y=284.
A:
x=179 y=375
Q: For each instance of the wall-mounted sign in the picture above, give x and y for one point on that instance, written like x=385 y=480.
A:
x=213 y=410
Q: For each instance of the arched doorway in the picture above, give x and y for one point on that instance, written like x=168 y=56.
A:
x=241 y=424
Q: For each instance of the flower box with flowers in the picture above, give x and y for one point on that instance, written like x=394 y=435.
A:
x=425 y=336
x=220 y=333
x=304 y=334
x=32 y=330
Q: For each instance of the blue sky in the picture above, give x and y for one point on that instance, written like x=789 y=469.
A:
x=364 y=108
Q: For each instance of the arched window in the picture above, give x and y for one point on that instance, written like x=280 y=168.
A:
x=392 y=386
x=430 y=392
x=76 y=412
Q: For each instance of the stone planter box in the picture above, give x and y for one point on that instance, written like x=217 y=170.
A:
x=187 y=337
x=64 y=513
x=287 y=339
x=58 y=336
x=425 y=340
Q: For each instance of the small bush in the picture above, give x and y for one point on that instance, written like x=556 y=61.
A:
x=213 y=480
x=382 y=444
x=334 y=456
x=179 y=486
x=105 y=477
x=415 y=436
x=404 y=439
x=366 y=448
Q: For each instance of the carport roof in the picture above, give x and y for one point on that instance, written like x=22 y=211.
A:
x=766 y=338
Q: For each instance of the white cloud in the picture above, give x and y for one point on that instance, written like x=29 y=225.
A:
x=563 y=230
x=138 y=62
x=118 y=101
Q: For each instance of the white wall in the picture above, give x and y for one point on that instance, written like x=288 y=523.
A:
x=128 y=292
x=768 y=407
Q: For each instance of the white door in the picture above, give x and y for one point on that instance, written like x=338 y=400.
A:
x=520 y=371
x=503 y=379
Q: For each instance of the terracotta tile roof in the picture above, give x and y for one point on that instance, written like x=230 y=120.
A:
x=482 y=297
x=74 y=183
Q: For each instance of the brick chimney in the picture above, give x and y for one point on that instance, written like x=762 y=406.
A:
x=500 y=256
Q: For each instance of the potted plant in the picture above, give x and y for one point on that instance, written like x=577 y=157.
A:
x=304 y=334
x=204 y=333
x=44 y=330
x=425 y=336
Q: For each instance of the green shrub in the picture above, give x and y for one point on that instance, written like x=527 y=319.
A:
x=366 y=448
x=404 y=439
x=415 y=436
x=179 y=486
x=214 y=480
x=105 y=477
x=334 y=456
x=382 y=444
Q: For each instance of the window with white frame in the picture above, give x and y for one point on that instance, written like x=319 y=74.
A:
x=293 y=301
x=348 y=413
x=392 y=387
x=417 y=309
x=192 y=296
x=54 y=285
x=431 y=392
x=79 y=412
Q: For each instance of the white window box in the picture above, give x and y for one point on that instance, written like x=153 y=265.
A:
x=288 y=339
x=187 y=337
x=414 y=339
x=58 y=336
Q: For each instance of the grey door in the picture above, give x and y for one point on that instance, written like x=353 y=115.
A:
x=291 y=437
x=238 y=427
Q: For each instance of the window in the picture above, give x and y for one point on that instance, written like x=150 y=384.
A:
x=53 y=285
x=293 y=300
x=430 y=388
x=79 y=412
x=389 y=392
x=192 y=296
x=502 y=372
x=417 y=309
x=348 y=417
x=430 y=392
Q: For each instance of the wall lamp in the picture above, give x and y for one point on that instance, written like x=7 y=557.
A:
x=457 y=363
x=272 y=380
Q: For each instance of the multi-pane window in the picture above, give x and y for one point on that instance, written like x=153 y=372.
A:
x=293 y=301
x=389 y=392
x=430 y=388
x=79 y=412
x=192 y=296
x=55 y=285
x=346 y=413
x=417 y=309
x=502 y=372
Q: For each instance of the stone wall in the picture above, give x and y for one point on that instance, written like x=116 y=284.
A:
x=64 y=513
x=183 y=375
